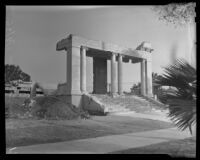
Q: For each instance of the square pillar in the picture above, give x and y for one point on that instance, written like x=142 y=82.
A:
x=73 y=93
x=73 y=70
x=83 y=69
x=120 y=74
x=143 y=78
x=148 y=74
x=113 y=74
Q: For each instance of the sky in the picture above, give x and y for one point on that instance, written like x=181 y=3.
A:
x=37 y=29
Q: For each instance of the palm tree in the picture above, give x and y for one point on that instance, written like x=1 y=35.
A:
x=182 y=102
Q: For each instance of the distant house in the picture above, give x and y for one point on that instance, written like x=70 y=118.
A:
x=20 y=87
x=9 y=88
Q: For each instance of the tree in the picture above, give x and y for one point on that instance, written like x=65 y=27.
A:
x=156 y=87
x=182 y=103
x=136 y=88
x=181 y=15
x=155 y=76
x=13 y=72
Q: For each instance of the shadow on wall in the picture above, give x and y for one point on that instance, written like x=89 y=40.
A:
x=93 y=106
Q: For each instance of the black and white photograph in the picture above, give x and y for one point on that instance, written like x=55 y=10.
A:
x=101 y=79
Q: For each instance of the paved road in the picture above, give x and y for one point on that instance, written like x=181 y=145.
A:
x=101 y=145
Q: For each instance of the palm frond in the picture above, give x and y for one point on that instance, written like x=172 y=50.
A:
x=182 y=104
x=183 y=113
x=182 y=76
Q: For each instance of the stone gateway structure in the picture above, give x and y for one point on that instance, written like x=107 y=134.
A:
x=77 y=48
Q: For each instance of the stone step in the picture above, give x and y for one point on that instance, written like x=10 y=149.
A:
x=127 y=103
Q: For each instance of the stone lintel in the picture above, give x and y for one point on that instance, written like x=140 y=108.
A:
x=77 y=41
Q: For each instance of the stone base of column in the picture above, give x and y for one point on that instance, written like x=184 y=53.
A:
x=84 y=92
x=113 y=95
x=75 y=92
x=150 y=95
x=76 y=100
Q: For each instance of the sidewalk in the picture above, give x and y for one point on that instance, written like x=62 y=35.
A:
x=101 y=145
x=160 y=116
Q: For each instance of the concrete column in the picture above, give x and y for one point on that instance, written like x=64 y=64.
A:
x=120 y=74
x=73 y=70
x=148 y=74
x=113 y=74
x=83 y=69
x=143 y=79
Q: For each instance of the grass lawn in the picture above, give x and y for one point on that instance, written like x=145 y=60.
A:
x=178 y=148
x=21 y=132
x=29 y=131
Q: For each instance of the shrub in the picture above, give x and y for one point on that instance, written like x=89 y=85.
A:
x=48 y=107
x=51 y=107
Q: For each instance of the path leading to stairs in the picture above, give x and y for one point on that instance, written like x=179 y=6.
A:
x=160 y=116
x=102 y=145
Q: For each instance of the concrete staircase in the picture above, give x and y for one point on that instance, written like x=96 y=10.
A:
x=127 y=103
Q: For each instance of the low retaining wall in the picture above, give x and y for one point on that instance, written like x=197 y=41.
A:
x=155 y=101
x=93 y=105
